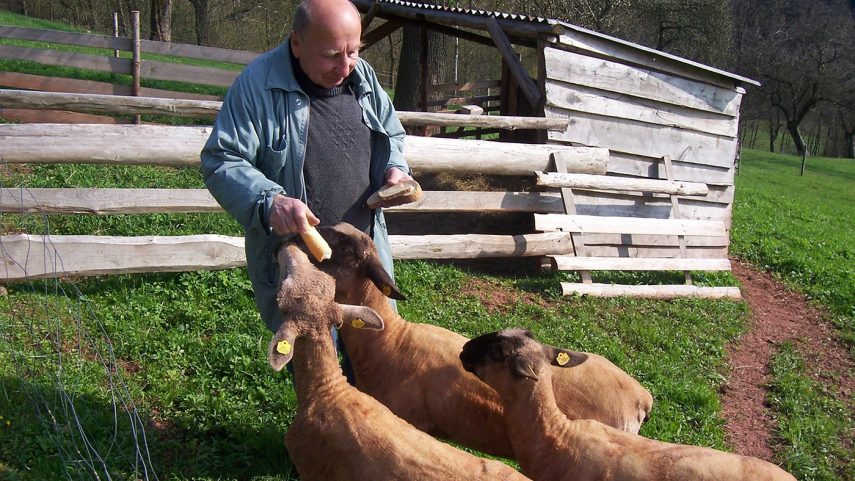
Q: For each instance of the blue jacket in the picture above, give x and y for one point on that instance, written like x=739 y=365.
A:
x=256 y=151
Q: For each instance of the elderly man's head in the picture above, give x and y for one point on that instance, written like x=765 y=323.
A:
x=326 y=40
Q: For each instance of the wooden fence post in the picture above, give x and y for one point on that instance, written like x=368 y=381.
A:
x=116 y=31
x=135 y=23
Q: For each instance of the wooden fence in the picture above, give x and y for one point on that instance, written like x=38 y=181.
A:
x=673 y=242
x=454 y=98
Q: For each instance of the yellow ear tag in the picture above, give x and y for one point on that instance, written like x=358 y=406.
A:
x=387 y=291
x=562 y=358
x=358 y=323
x=283 y=347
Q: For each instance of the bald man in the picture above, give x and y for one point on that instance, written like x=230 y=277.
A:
x=305 y=135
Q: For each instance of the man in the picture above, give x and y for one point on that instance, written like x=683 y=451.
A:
x=306 y=133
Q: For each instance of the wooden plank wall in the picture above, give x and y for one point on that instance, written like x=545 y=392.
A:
x=641 y=115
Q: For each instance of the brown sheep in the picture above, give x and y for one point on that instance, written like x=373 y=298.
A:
x=551 y=447
x=338 y=432
x=414 y=368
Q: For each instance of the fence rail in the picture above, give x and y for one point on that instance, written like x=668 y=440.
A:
x=619 y=242
x=129 y=105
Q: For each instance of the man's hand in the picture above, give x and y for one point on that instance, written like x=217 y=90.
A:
x=395 y=175
x=291 y=216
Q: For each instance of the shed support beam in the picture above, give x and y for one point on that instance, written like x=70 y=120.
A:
x=519 y=72
x=369 y=16
x=379 y=33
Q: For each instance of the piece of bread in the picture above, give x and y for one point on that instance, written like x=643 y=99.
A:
x=317 y=245
x=404 y=192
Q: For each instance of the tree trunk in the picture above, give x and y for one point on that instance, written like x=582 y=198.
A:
x=391 y=60
x=773 y=136
x=850 y=145
x=408 y=85
x=408 y=81
x=161 y=20
x=200 y=11
x=798 y=140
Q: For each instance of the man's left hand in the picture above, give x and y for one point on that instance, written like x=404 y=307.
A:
x=395 y=175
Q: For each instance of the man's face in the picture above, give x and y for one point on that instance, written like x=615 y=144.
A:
x=328 y=51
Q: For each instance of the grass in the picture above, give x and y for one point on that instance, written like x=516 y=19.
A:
x=800 y=229
x=810 y=414
x=190 y=348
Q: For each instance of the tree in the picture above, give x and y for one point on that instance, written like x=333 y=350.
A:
x=200 y=11
x=798 y=50
x=160 y=16
x=408 y=85
x=699 y=30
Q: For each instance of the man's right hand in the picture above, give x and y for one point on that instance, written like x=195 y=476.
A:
x=290 y=216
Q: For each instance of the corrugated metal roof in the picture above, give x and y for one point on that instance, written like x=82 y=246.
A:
x=566 y=26
x=480 y=13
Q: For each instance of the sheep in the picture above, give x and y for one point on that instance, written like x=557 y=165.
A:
x=551 y=447
x=338 y=432
x=414 y=368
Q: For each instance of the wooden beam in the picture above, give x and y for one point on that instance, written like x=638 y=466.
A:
x=664 y=292
x=369 y=16
x=628 y=226
x=621 y=184
x=152 y=70
x=104 y=201
x=68 y=59
x=120 y=43
x=66 y=38
x=109 y=104
x=528 y=86
x=489 y=84
x=573 y=263
x=180 y=146
x=641 y=83
x=119 y=104
x=379 y=33
x=29 y=257
x=69 y=85
x=424 y=68
x=56 y=117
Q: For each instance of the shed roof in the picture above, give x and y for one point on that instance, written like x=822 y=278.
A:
x=519 y=25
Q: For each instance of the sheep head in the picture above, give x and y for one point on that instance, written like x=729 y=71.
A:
x=306 y=298
x=355 y=258
x=491 y=356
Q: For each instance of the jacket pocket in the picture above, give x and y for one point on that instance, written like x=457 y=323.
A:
x=272 y=160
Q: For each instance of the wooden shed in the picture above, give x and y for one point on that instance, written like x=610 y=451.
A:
x=659 y=115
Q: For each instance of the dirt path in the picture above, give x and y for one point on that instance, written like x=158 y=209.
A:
x=777 y=315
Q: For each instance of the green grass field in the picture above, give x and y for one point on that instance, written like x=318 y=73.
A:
x=186 y=352
x=800 y=228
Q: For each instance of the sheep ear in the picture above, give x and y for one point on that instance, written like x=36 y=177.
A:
x=564 y=358
x=281 y=347
x=361 y=317
x=383 y=280
x=521 y=367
